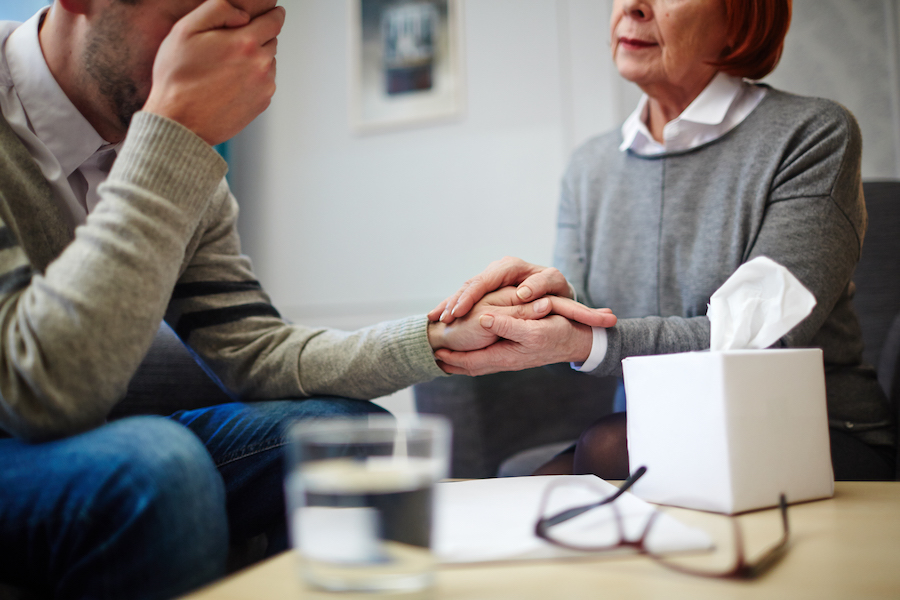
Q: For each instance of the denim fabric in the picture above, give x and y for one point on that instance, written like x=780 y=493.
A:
x=246 y=442
x=620 y=403
x=141 y=508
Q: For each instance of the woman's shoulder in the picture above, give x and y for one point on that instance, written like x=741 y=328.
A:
x=790 y=108
x=804 y=126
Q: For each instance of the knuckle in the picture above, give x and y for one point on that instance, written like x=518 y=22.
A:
x=245 y=45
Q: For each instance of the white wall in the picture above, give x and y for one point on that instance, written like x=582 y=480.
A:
x=847 y=50
x=345 y=225
x=346 y=230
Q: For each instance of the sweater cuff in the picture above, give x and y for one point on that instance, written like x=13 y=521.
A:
x=413 y=346
x=165 y=158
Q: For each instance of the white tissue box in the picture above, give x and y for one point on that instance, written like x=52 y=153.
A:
x=729 y=431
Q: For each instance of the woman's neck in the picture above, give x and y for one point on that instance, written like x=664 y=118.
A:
x=666 y=102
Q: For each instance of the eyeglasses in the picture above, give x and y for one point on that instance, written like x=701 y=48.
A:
x=548 y=528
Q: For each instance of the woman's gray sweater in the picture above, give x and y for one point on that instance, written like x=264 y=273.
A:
x=653 y=238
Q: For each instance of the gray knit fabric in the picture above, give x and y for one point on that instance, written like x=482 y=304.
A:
x=653 y=238
x=78 y=315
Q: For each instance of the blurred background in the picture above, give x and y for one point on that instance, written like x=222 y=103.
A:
x=347 y=229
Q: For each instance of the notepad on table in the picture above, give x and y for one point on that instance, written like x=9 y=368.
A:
x=485 y=520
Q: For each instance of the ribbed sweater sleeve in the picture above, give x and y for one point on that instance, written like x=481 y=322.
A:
x=223 y=313
x=161 y=243
x=73 y=335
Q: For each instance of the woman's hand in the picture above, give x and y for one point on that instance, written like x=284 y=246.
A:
x=521 y=344
x=533 y=282
x=467 y=333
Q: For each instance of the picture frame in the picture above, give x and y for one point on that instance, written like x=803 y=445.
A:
x=406 y=63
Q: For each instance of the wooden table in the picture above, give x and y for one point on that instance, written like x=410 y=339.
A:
x=846 y=547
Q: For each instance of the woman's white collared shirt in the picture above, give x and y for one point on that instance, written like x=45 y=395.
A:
x=721 y=106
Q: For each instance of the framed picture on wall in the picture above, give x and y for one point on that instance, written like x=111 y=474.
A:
x=406 y=63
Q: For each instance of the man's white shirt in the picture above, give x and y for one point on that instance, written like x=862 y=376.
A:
x=69 y=152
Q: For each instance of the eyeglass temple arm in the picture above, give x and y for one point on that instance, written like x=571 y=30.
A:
x=578 y=510
x=776 y=552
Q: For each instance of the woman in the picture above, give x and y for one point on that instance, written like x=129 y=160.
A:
x=709 y=172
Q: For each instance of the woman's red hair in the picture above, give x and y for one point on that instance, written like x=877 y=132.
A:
x=756 y=30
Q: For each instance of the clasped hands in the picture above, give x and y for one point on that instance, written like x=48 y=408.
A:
x=512 y=316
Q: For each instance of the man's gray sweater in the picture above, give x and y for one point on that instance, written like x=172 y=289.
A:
x=653 y=238
x=77 y=314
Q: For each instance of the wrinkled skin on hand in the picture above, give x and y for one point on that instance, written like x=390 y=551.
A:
x=502 y=334
x=533 y=281
x=521 y=344
x=467 y=333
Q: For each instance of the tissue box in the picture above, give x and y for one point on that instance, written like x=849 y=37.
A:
x=729 y=431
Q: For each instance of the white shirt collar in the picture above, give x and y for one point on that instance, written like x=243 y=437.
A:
x=52 y=116
x=723 y=104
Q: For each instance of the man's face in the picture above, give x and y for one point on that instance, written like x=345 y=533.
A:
x=123 y=41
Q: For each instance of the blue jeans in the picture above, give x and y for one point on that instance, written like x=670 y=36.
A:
x=145 y=507
x=620 y=403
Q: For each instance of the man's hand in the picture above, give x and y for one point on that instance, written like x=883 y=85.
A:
x=523 y=344
x=534 y=282
x=215 y=71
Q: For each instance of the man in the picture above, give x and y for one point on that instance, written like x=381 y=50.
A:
x=115 y=214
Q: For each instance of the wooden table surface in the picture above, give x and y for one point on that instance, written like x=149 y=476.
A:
x=846 y=547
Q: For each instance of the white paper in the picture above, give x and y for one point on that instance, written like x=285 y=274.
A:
x=757 y=306
x=493 y=520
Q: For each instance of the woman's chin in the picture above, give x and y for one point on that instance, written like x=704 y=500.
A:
x=637 y=75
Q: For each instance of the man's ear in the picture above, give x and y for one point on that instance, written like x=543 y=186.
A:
x=78 y=7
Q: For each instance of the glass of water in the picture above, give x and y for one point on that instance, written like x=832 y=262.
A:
x=360 y=495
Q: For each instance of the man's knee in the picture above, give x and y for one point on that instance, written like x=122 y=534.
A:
x=137 y=510
x=158 y=483
x=155 y=455
x=172 y=499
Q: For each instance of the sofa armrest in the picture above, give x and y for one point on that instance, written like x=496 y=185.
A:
x=169 y=379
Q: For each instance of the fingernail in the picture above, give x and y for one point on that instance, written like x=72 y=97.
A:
x=541 y=305
x=443 y=314
x=455 y=306
x=487 y=321
x=524 y=292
